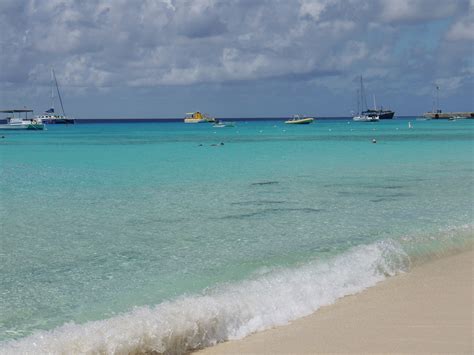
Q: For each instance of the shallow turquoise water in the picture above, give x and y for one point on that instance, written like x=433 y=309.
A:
x=98 y=219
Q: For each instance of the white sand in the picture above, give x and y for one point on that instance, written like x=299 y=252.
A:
x=429 y=310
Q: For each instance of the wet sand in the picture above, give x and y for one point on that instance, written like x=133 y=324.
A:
x=428 y=310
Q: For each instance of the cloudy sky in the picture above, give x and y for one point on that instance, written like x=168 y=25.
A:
x=236 y=58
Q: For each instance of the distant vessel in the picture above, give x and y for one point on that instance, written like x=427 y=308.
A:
x=198 y=117
x=222 y=124
x=49 y=116
x=383 y=114
x=299 y=119
x=365 y=118
x=362 y=116
x=18 y=123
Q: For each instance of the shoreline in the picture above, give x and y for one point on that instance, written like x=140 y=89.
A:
x=429 y=309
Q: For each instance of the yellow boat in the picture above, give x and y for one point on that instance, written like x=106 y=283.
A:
x=198 y=117
x=297 y=119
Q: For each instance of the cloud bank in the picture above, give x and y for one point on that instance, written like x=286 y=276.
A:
x=154 y=43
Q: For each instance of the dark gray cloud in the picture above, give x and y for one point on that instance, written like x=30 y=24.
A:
x=152 y=43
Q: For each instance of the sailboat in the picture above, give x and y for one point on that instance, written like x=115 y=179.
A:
x=383 y=114
x=49 y=116
x=362 y=116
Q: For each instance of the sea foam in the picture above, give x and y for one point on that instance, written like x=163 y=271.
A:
x=232 y=311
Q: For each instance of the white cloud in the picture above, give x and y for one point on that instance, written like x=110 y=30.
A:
x=179 y=42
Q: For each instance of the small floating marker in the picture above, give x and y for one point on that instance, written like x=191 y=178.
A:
x=410 y=125
x=330 y=129
x=374 y=140
x=261 y=131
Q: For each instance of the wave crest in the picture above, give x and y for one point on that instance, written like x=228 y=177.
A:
x=225 y=312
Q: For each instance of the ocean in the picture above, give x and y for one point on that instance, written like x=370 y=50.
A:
x=166 y=237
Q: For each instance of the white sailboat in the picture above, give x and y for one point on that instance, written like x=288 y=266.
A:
x=361 y=116
x=49 y=116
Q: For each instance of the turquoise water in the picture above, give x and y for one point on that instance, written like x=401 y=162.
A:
x=155 y=236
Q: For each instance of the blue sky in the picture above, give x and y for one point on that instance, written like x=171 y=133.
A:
x=236 y=58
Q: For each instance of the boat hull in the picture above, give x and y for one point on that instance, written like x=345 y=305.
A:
x=30 y=127
x=383 y=115
x=60 y=121
x=300 y=121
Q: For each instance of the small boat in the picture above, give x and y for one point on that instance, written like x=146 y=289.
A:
x=18 y=123
x=198 y=117
x=49 y=116
x=365 y=118
x=222 y=124
x=298 y=119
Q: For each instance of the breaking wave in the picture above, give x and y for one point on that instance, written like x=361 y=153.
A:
x=232 y=311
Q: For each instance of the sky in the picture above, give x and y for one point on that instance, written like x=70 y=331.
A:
x=236 y=58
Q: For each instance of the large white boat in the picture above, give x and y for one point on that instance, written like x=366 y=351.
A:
x=19 y=123
x=49 y=116
x=198 y=117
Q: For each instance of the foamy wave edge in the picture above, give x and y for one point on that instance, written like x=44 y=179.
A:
x=227 y=312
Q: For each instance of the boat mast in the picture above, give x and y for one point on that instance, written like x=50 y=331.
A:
x=358 y=101
x=363 y=99
x=52 y=90
x=375 y=106
x=59 y=94
x=437 y=99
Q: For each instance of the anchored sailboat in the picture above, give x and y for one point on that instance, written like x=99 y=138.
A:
x=49 y=116
x=362 y=116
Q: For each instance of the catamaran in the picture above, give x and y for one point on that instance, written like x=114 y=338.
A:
x=49 y=116
x=19 y=123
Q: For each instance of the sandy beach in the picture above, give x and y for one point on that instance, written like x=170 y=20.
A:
x=428 y=310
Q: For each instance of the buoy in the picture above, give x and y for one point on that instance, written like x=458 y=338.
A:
x=374 y=140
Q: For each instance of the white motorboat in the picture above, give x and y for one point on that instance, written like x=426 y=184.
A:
x=19 y=123
x=366 y=118
x=222 y=124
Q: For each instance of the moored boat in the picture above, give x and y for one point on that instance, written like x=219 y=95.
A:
x=222 y=124
x=364 y=115
x=49 y=116
x=365 y=118
x=18 y=123
x=198 y=117
x=298 y=119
